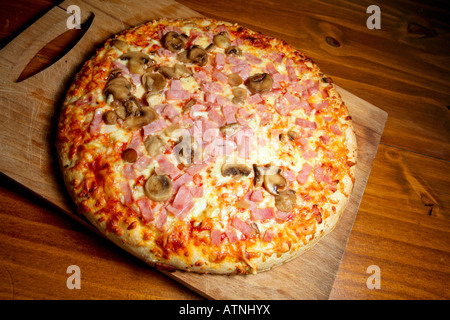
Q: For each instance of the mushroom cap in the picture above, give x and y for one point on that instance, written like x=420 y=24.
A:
x=259 y=177
x=221 y=40
x=233 y=51
x=119 y=87
x=236 y=170
x=158 y=188
x=173 y=41
x=136 y=61
x=198 y=55
x=154 y=145
x=153 y=82
x=144 y=117
x=259 y=83
x=230 y=129
x=273 y=180
x=286 y=200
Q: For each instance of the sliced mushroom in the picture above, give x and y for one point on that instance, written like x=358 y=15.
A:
x=176 y=72
x=158 y=188
x=145 y=116
x=240 y=93
x=235 y=170
x=198 y=55
x=292 y=135
x=221 y=40
x=235 y=79
x=136 y=61
x=119 y=87
x=110 y=117
x=259 y=177
x=273 y=180
x=230 y=129
x=154 y=145
x=120 y=44
x=173 y=41
x=286 y=200
x=129 y=155
x=259 y=83
x=233 y=51
x=153 y=82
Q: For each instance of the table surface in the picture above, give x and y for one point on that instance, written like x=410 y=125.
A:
x=402 y=230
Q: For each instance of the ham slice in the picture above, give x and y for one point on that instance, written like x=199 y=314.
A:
x=304 y=173
x=161 y=219
x=154 y=126
x=144 y=205
x=128 y=172
x=305 y=123
x=262 y=214
x=166 y=167
x=216 y=237
x=96 y=122
x=242 y=226
x=126 y=192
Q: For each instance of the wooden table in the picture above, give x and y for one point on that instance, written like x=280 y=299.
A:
x=402 y=228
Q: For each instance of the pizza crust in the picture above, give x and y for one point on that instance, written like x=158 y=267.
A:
x=120 y=217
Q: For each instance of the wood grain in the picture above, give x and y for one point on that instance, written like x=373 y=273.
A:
x=402 y=68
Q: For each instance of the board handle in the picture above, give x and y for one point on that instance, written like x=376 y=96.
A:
x=21 y=50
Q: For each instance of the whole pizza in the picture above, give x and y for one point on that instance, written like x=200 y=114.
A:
x=201 y=145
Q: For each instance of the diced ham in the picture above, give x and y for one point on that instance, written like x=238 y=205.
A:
x=291 y=73
x=256 y=196
x=128 y=172
x=176 y=84
x=181 y=181
x=242 y=226
x=211 y=87
x=136 y=142
x=126 y=192
x=182 y=197
x=84 y=101
x=229 y=111
x=136 y=79
x=304 y=173
x=219 y=61
x=196 y=191
x=232 y=235
x=305 y=123
x=154 y=126
x=321 y=105
x=118 y=65
x=268 y=235
x=180 y=213
x=195 y=168
x=216 y=237
x=144 y=205
x=161 y=219
x=335 y=129
x=177 y=95
x=141 y=163
x=254 y=98
x=318 y=173
x=282 y=107
x=270 y=68
x=166 y=167
x=262 y=214
x=219 y=76
x=96 y=122
x=170 y=111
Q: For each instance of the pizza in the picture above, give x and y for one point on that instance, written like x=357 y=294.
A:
x=201 y=145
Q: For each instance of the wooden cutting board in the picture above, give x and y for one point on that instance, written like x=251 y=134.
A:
x=28 y=125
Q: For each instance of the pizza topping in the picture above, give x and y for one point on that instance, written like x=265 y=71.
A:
x=129 y=155
x=136 y=61
x=153 y=82
x=258 y=179
x=143 y=116
x=110 y=117
x=259 y=83
x=239 y=95
x=233 y=51
x=230 y=129
x=119 y=87
x=236 y=170
x=120 y=44
x=158 y=188
x=176 y=72
x=273 y=180
x=286 y=200
x=154 y=145
x=173 y=41
x=221 y=40
x=235 y=79
x=197 y=55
